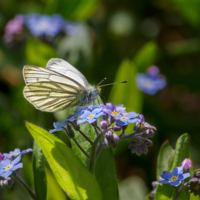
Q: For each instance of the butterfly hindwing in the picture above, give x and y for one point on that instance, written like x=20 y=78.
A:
x=52 y=96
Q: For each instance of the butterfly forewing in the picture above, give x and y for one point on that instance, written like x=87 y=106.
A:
x=52 y=96
x=33 y=74
x=63 y=67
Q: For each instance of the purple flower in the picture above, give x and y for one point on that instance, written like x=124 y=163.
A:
x=90 y=116
x=139 y=145
x=187 y=163
x=44 y=25
x=111 y=139
x=7 y=166
x=175 y=178
x=15 y=25
x=17 y=152
x=151 y=82
x=114 y=111
x=127 y=118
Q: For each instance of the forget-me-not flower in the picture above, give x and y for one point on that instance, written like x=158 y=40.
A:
x=174 y=178
x=151 y=82
x=90 y=116
x=17 y=152
x=127 y=118
x=7 y=166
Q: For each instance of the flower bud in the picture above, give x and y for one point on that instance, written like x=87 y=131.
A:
x=197 y=173
x=148 y=133
x=141 y=117
x=116 y=127
x=104 y=124
x=187 y=163
x=115 y=137
x=106 y=143
x=109 y=134
x=1 y=156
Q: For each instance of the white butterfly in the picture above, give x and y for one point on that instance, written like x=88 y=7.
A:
x=58 y=86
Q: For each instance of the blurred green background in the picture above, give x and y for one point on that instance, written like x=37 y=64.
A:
x=121 y=38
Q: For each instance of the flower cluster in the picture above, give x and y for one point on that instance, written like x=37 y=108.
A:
x=152 y=81
x=114 y=119
x=40 y=25
x=9 y=162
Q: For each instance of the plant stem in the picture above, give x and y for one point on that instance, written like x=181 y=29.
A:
x=93 y=153
x=26 y=187
x=86 y=137
x=100 y=147
x=80 y=147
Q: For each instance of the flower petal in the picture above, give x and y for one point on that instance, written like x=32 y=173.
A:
x=184 y=176
x=177 y=171
x=81 y=121
x=6 y=174
x=19 y=165
x=85 y=114
x=5 y=162
x=164 y=181
x=175 y=183
x=166 y=175
x=110 y=106
x=16 y=160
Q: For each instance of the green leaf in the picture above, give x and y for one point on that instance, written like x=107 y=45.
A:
x=105 y=175
x=166 y=151
x=132 y=188
x=192 y=197
x=69 y=171
x=164 y=192
x=118 y=95
x=38 y=53
x=146 y=56
x=40 y=180
x=182 y=150
x=54 y=191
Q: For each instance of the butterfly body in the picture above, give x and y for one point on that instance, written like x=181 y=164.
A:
x=57 y=87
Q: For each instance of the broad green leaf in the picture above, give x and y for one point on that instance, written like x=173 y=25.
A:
x=132 y=188
x=54 y=191
x=38 y=53
x=147 y=198
x=40 y=180
x=70 y=173
x=127 y=71
x=105 y=175
x=146 y=56
x=166 y=151
x=164 y=192
x=182 y=150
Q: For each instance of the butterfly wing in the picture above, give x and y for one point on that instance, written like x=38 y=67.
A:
x=33 y=74
x=63 y=67
x=52 y=96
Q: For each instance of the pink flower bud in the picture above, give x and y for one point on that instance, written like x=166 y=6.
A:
x=187 y=163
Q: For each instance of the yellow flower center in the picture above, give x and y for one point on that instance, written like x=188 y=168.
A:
x=174 y=178
x=8 y=167
x=91 y=116
x=114 y=113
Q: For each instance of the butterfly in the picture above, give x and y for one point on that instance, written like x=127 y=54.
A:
x=57 y=87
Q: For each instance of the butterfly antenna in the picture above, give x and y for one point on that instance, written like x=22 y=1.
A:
x=101 y=81
x=112 y=83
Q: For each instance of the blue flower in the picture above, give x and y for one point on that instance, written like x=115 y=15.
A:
x=60 y=124
x=175 y=178
x=151 y=82
x=127 y=118
x=114 y=111
x=90 y=116
x=44 y=25
x=17 y=152
x=7 y=166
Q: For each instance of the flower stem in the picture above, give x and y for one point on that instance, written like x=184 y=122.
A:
x=93 y=153
x=26 y=187
x=86 y=137
x=80 y=147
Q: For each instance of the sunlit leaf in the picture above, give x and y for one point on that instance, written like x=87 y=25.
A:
x=70 y=173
